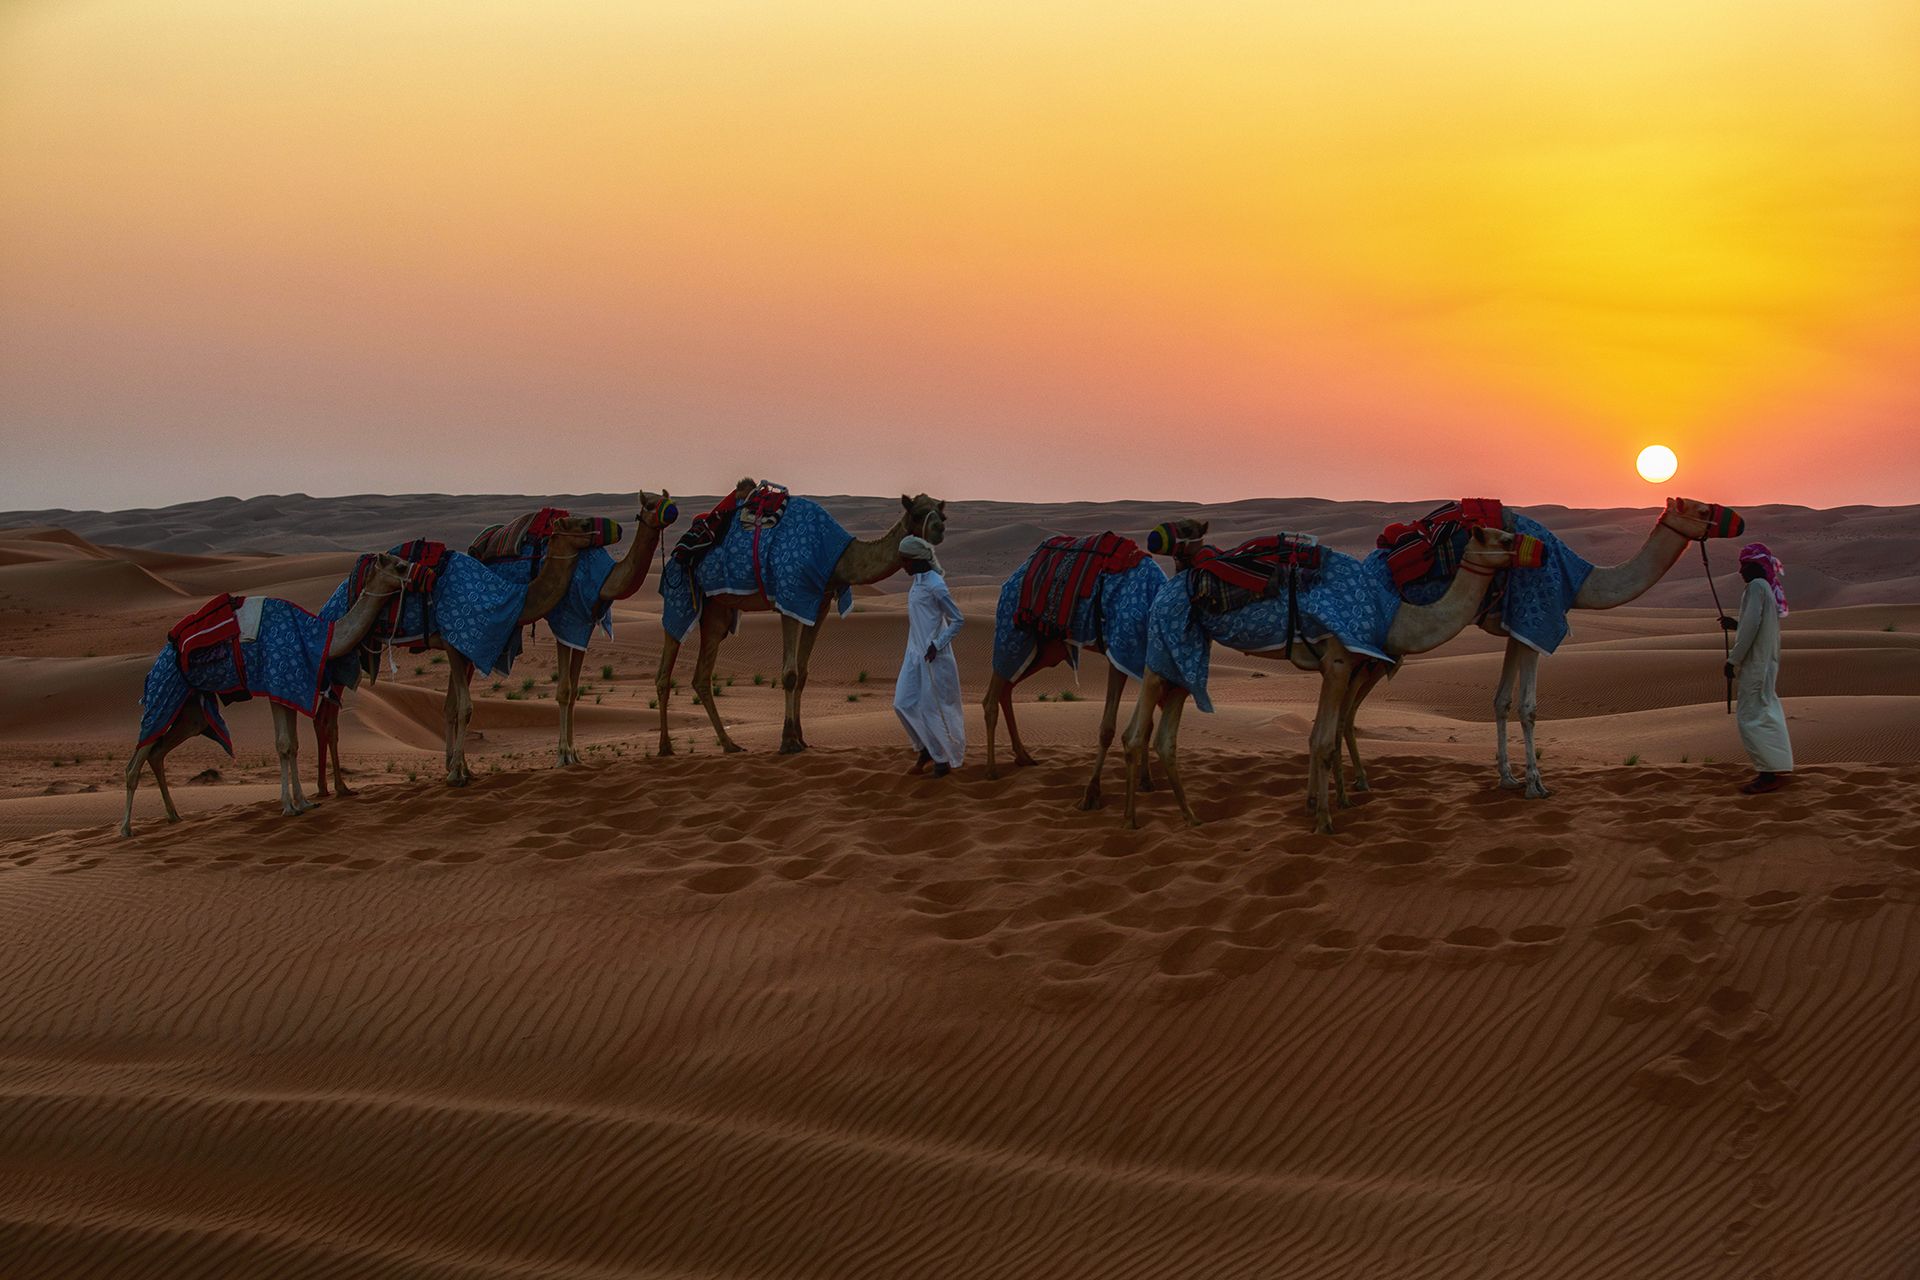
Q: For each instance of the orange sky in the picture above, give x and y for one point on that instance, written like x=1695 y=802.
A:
x=1204 y=251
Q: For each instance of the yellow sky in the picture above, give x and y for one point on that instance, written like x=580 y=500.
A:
x=1217 y=250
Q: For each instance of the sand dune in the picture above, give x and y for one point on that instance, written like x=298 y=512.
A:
x=757 y=1016
x=767 y=1016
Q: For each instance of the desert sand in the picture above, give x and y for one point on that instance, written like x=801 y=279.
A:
x=771 y=1016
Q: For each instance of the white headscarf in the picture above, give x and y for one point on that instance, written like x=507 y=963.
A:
x=916 y=548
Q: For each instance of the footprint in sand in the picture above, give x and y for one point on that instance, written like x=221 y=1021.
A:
x=1771 y=907
x=1329 y=949
x=1508 y=865
x=1680 y=905
x=1466 y=948
x=1656 y=990
x=1853 y=901
x=1398 y=951
x=1723 y=1030
x=1532 y=943
x=1627 y=925
x=721 y=880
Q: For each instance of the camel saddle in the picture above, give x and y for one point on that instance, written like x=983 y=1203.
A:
x=1257 y=569
x=1431 y=545
x=215 y=624
x=1063 y=571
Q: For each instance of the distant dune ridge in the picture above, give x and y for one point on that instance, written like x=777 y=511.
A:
x=1836 y=556
x=754 y=1016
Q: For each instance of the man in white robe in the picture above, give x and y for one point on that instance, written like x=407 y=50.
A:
x=927 y=695
x=1755 y=665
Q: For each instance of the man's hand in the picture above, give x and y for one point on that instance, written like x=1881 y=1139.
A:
x=1729 y=624
x=1730 y=672
x=933 y=651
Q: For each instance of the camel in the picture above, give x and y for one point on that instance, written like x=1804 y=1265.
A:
x=1682 y=523
x=1119 y=613
x=626 y=576
x=389 y=574
x=570 y=535
x=1414 y=629
x=862 y=562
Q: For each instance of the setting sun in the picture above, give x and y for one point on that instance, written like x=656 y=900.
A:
x=1657 y=463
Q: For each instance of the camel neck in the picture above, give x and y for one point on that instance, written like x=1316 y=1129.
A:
x=1417 y=628
x=353 y=628
x=1611 y=585
x=549 y=586
x=869 y=560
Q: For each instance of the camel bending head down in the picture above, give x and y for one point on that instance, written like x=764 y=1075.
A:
x=384 y=580
x=864 y=561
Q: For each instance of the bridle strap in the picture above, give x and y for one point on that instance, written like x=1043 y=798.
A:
x=1467 y=566
x=1719 y=612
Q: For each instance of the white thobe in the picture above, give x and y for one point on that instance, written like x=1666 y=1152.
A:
x=927 y=695
x=1756 y=661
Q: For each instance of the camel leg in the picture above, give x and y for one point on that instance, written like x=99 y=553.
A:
x=286 y=743
x=1109 y=720
x=1166 y=745
x=1020 y=755
x=713 y=630
x=1364 y=682
x=458 y=711
x=808 y=636
x=333 y=748
x=990 y=706
x=662 y=686
x=1502 y=704
x=568 y=662
x=1529 y=701
x=187 y=726
x=1138 y=730
x=1323 y=744
x=328 y=709
x=790 y=629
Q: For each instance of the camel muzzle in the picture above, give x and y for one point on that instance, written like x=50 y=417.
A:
x=1528 y=551
x=1162 y=541
x=1725 y=522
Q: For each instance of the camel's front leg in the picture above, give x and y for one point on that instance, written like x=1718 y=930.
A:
x=1323 y=743
x=328 y=708
x=1109 y=721
x=1138 y=730
x=1166 y=745
x=790 y=629
x=713 y=630
x=286 y=742
x=1364 y=682
x=458 y=711
x=1529 y=701
x=1020 y=755
x=808 y=637
x=135 y=766
x=567 y=662
x=1502 y=704
x=990 y=708
x=333 y=746
x=662 y=686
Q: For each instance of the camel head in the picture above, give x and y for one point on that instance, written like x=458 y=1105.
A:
x=581 y=532
x=657 y=510
x=926 y=517
x=1491 y=549
x=1177 y=538
x=384 y=574
x=1698 y=521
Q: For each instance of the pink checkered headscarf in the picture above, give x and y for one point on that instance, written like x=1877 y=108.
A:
x=1771 y=568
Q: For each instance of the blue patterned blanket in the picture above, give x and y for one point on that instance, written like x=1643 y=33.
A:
x=286 y=664
x=473 y=610
x=1532 y=604
x=1352 y=599
x=1114 y=616
x=579 y=611
x=797 y=557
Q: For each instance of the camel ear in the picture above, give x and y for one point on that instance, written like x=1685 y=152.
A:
x=1203 y=528
x=906 y=504
x=941 y=506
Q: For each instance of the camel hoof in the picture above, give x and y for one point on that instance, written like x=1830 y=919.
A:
x=733 y=748
x=786 y=748
x=1360 y=784
x=1537 y=791
x=1091 y=801
x=1024 y=761
x=1145 y=783
x=666 y=749
x=126 y=833
x=457 y=780
x=993 y=774
x=173 y=817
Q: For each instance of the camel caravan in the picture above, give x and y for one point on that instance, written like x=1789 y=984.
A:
x=1284 y=597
